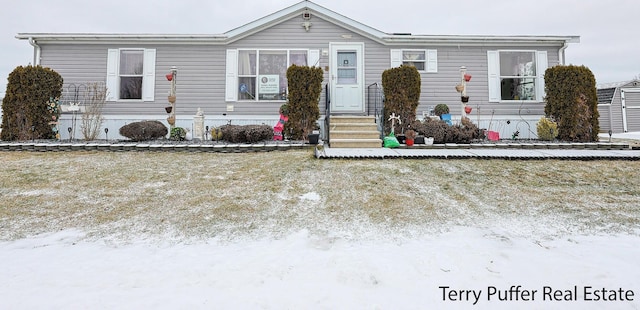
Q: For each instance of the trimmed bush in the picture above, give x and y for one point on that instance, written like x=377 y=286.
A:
x=144 y=130
x=440 y=109
x=246 y=133
x=177 y=134
x=25 y=113
x=305 y=87
x=437 y=129
x=401 y=87
x=547 y=129
x=465 y=132
x=572 y=102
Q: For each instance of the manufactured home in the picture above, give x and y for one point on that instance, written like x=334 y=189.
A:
x=619 y=106
x=239 y=76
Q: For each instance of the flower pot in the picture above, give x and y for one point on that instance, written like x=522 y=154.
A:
x=464 y=98
x=401 y=138
x=313 y=138
x=428 y=141
x=419 y=140
x=467 y=77
x=467 y=109
x=172 y=99
x=169 y=77
x=459 y=88
x=168 y=109
x=171 y=120
x=409 y=142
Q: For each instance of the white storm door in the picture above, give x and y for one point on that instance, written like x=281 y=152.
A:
x=347 y=77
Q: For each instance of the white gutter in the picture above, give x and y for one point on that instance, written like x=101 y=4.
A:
x=36 y=52
x=561 y=53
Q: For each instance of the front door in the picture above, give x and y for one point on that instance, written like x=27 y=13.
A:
x=347 y=77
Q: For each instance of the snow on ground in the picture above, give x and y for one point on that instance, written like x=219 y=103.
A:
x=303 y=271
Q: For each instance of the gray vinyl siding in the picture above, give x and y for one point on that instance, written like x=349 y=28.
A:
x=611 y=115
x=615 y=120
x=632 y=100
x=201 y=71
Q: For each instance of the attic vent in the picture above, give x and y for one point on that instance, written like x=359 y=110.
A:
x=306 y=15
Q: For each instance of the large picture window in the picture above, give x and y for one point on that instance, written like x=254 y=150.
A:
x=262 y=74
x=516 y=75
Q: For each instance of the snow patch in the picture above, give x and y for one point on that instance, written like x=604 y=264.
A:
x=311 y=196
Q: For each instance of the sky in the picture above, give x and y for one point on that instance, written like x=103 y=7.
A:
x=609 y=44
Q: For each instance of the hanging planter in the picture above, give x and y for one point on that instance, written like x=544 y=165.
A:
x=168 y=109
x=467 y=109
x=464 y=98
x=459 y=88
x=172 y=99
x=467 y=77
x=171 y=120
x=169 y=77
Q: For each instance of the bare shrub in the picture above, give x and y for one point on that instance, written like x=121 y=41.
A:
x=92 y=118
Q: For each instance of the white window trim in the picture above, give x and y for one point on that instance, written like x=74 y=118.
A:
x=493 y=68
x=148 y=76
x=430 y=61
x=231 y=83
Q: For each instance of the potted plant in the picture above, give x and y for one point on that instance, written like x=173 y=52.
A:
x=410 y=136
x=441 y=109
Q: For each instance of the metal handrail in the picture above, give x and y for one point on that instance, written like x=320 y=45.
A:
x=327 y=111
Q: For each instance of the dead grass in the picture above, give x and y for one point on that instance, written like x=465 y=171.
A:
x=201 y=196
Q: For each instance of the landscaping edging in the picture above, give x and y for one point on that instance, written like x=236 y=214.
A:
x=152 y=147
x=118 y=146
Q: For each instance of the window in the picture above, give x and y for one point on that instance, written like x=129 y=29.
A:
x=131 y=64
x=131 y=74
x=423 y=60
x=516 y=75
x=261 y=75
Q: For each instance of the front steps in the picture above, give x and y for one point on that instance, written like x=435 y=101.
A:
x=354 y=132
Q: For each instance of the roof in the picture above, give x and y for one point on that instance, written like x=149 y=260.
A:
x=605 y=95
x=287 y=13
x=607 y=91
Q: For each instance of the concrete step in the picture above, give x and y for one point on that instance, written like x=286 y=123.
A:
x=354 y=134
x=355 y=143
x=335 y=119
x=353 y=126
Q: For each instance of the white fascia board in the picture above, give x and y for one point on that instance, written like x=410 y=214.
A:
x=480 y=40
x=294 y=10
x=120 y=38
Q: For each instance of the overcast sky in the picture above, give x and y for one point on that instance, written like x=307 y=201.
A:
x=609 y=43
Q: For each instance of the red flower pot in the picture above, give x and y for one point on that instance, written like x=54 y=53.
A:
x=467 y=109
x=169 y=77
x=467 y=77
x=409 y=142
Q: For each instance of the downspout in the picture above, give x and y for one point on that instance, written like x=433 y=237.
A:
x=36 y=52
x=561 y=53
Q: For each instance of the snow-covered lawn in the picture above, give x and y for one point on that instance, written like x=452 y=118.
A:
x=285 y=231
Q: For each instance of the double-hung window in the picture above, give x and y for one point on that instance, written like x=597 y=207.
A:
x=516 y=75
x=423 y=60
x=131 y=74
x=261 y=74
